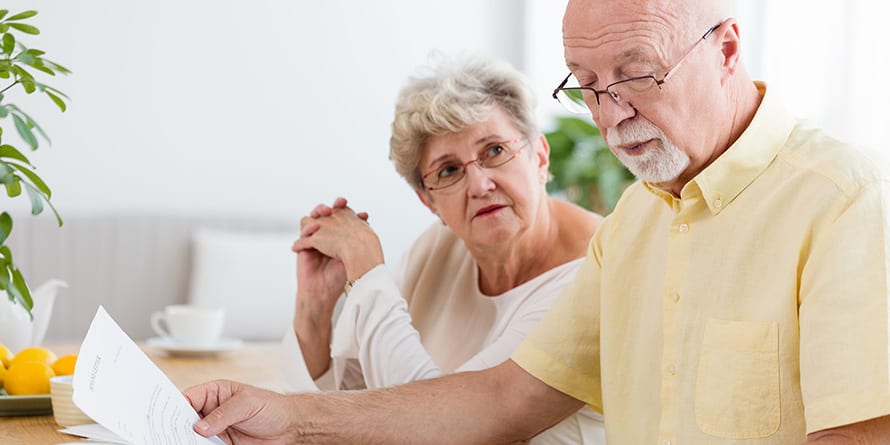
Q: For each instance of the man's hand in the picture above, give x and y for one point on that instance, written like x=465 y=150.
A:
x=241 y=414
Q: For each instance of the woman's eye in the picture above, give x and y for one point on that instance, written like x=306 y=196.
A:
x=448 y=171
x=494 y=152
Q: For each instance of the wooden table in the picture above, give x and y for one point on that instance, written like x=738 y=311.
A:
x=254 y=363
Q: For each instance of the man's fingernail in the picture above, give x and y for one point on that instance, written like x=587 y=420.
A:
x=202 y=425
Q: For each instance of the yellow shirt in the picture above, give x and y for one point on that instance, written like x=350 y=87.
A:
x=755 y=306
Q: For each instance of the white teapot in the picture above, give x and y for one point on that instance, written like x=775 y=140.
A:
x=17 y=330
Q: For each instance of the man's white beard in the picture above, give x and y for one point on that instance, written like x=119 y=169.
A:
x=662 y=161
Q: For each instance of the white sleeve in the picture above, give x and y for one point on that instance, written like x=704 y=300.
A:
x=293 y=368
x=375 y=327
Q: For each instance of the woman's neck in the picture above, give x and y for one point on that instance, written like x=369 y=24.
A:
x=521 y=260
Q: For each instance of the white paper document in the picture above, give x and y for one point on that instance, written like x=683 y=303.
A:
x=118 y=386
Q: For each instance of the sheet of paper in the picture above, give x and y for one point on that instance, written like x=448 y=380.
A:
x=94 y=431
x=118 y=386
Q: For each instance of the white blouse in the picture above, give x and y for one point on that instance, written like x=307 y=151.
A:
x=431 y=319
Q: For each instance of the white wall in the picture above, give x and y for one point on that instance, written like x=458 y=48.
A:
x=824 y=58
x=243 y=107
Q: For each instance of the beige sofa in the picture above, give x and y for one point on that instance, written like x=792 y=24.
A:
x=136 y=263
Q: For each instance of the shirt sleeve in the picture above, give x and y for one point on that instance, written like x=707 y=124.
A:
x=563 y=351
x=375 y=328
x=843 y=312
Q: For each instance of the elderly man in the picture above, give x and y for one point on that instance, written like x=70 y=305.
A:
x=738 y=294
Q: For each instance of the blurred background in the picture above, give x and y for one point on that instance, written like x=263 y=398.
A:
x=261 y=109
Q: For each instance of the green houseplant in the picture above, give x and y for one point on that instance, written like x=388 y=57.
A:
x=18 y=67
x=583 y=168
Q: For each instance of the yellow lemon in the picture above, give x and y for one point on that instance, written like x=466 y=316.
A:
x=65 y=364
x=28 y=378
x=34 y=353
x=5 y=355
x=2 y=374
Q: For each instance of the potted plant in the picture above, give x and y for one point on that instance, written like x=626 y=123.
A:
x=20 y=67
x=584 y=169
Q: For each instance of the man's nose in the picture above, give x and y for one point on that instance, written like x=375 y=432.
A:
x=611 y=111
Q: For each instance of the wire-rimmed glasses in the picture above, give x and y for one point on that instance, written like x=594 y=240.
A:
x=494 y=155
x=637 y=91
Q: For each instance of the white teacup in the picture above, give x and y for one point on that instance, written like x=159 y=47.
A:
x=189 y=325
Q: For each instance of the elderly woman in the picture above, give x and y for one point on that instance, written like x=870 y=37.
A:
x=469 y=289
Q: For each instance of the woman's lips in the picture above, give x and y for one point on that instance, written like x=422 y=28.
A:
x=488 y=210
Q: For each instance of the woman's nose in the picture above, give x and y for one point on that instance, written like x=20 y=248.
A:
x=479 y=183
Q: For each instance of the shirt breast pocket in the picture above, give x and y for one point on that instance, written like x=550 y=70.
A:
x=737 y=387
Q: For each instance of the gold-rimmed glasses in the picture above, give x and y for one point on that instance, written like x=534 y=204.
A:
x=450 y=173
x=636 y=91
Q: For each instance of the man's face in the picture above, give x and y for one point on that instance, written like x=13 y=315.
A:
x=666 y=136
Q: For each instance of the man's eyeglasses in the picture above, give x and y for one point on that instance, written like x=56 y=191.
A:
x=492 y=156
x=637 y=91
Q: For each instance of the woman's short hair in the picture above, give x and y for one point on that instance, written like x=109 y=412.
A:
x=456 y=93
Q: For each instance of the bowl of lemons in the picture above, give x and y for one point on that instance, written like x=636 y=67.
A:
x=25 y=379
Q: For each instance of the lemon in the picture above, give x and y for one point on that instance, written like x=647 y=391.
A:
x=28 y=378
x=34 y=353
x=5 y=355
x=2 y=374
x=65 y=364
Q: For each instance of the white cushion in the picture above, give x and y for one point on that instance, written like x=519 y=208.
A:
x=250 y=274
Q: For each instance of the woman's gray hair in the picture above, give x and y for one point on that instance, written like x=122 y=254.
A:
x=456 y=93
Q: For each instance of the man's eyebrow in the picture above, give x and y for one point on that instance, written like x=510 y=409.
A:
x=629 y=55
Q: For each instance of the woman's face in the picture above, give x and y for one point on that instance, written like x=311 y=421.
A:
x=488 y=206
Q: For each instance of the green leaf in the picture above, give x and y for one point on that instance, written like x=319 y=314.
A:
x=36 y=199
x=58 y=101
x=25 y=132
x=34 y=179
x=5 y=226
x=6 y=253
x=3 y=13
x=31 y=122
x=23 y=295
x=22 y=15
x=8 y=151
x=27 y=29
x=4 y=111
x=55 y=66
x=14 y=188
x=8 y=43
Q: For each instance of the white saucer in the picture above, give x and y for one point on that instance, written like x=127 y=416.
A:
x=173 y=348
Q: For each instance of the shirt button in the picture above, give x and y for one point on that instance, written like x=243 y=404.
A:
x=671 y=370
x=675 y=297
x=666 y=442
x=684 y=228
x=718 y=203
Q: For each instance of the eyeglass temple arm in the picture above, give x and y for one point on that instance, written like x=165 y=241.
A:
x=561 y=84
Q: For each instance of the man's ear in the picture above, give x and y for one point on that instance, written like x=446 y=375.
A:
x=730 y=47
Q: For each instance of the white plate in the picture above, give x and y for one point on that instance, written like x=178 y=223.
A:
x=173 y=348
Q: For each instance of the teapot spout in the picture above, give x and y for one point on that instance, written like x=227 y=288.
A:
x=44 y=297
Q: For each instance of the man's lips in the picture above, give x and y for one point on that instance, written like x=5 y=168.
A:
x=489 y=209
x=634 y=148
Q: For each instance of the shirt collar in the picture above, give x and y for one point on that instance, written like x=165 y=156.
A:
x=722 y=181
